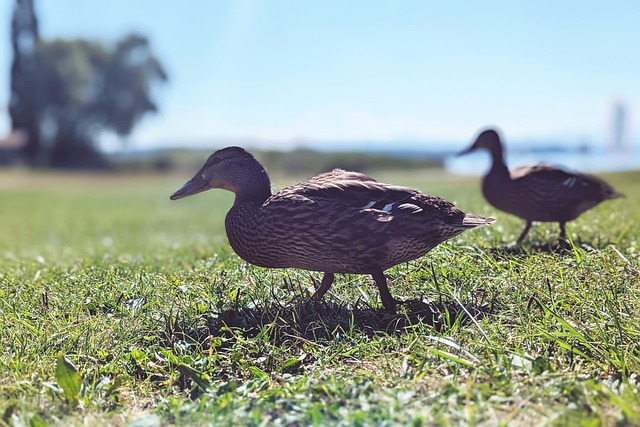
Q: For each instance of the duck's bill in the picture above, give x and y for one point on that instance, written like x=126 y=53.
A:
x=465 y=151
x=194 y=186
x=617 y=195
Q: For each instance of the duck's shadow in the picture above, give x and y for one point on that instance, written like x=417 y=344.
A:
x=561 y=247
x=319 y=321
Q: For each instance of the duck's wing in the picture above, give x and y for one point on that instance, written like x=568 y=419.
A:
x=341 y=196
x=560 y=186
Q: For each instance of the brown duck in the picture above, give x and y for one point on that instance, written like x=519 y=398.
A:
x=538 y=193
x=335 y=222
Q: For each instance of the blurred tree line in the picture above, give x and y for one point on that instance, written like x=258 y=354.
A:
x=298 y=162
x=66 y=93
x=304 y=161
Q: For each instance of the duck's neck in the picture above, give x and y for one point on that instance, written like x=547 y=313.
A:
x=498 y=166
x=253 y=186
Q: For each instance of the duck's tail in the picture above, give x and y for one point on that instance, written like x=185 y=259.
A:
x=474 y=221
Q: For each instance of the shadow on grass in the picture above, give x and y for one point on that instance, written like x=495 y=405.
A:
x=319 y=321
x=560 y=247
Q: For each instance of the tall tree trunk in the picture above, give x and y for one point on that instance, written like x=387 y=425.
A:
x=23 y=103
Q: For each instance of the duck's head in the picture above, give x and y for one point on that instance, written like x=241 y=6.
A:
x=231 y=168
x=488 y=139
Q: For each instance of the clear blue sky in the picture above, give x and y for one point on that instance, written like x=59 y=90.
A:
x=285 y=71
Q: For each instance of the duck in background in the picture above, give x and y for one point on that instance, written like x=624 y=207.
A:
x=335 y=222
x=538 y=192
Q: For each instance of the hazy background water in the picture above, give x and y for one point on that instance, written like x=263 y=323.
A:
x=592 y=160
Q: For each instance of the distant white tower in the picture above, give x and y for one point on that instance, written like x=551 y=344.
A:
x=619 y=136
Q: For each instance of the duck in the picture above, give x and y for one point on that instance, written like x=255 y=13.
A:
x=540 y=193
x=337 y=222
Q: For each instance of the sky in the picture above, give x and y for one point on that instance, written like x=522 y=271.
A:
x=283 y=73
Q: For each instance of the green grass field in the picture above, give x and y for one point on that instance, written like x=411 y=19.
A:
x=120 y=307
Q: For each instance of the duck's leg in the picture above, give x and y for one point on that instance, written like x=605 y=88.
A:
x=563 y=232
x=327 y=280
x=387 y=300
x=524 y=232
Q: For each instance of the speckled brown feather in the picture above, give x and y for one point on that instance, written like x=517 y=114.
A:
x=335 y=222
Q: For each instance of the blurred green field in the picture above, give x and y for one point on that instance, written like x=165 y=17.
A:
x=77 y=216
x=108 y=272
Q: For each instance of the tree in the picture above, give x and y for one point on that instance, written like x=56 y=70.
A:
x=66 y=93
x=23 y=100
x=90 y=87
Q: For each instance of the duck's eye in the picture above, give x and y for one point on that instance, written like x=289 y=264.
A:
x=213 y=160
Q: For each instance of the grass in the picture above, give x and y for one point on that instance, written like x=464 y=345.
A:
x=118 y=307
